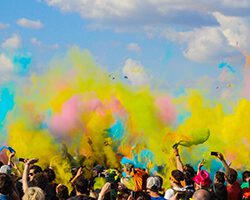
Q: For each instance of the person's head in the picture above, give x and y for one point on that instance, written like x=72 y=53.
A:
x=201 y=194
x=231 y=176
x=62 y=192
x=39 y=180
x=246 y=176
x=98 y=169
x=33 y=193
x=111 y=175
x=187 y=168
x=81 y=185
x=153 y=184
x=6 y=169
x=34 y=169
x=189 y=174
x=219 y=177
x=160 y=179
x=177 y=178
x=202 y=180
x=128 y=168
x=50 y=173
x=6 y=185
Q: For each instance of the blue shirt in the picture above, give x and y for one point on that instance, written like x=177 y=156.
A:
x=5 y=197
x=157 y=198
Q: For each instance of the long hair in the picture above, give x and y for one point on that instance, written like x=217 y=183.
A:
x=33 y=193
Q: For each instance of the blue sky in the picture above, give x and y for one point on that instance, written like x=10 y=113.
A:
x=173 y=43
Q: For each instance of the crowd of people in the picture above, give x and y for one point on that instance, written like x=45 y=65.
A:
x=129 y=183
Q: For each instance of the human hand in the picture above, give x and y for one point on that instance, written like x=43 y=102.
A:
x=201 y=164
x=32 y=161
x=105 y=189
x=220 y=156
x=79 y=171
x=14 y=165
x=12 y=155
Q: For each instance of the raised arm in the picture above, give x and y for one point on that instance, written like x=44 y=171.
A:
x=200 y=165
x=178 y=159
x=222 y=159
x=10 y=158
x=26 y=173
x=78 y=173
x=105 y=189
x=17 y=169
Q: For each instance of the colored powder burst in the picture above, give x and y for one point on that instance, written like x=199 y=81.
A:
x=6 y=104
x=116 y=131
x=227 y=129
x=167 y=112
x=74 y=103
x=22 y=63
x=227 y=66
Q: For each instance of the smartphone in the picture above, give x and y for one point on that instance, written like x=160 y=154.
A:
x=11 y=150
x=21 y=159
x=213 y=153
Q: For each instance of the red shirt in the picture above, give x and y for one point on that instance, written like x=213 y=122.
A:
x=234 y=191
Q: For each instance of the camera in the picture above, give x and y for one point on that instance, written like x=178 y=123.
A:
x=21 y=159
x=213 y=153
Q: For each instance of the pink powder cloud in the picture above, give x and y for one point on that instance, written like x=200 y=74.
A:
x=166 y=109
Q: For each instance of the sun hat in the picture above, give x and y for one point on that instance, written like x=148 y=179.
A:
x=203 y=178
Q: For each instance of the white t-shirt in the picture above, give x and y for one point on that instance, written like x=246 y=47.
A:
x=170 y=192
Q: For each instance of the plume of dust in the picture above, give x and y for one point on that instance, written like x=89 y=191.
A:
x=228 y=130
x=75 y=101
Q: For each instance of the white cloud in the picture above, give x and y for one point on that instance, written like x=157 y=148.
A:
x=151 y=12
x=13 y=42
x=35 y=42
x=208 y=44
x=95 y=8
x=236 y=4
x=235 y=29
x=174 y=36
x=38 y=43
x=6 y=68
x=135 y=72
x=134 y=47
x=27 y=23
x=213 y=44
x=139 y=13
x=207 y=30
x=3 y=26
x=5 y=64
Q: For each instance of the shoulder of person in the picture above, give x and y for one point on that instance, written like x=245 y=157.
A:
x=169 y=193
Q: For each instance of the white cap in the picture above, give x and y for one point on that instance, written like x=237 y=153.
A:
x=153 y=182
x=6 y=169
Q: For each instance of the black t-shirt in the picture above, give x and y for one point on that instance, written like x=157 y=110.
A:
x=219 y=191
x=81 y=197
